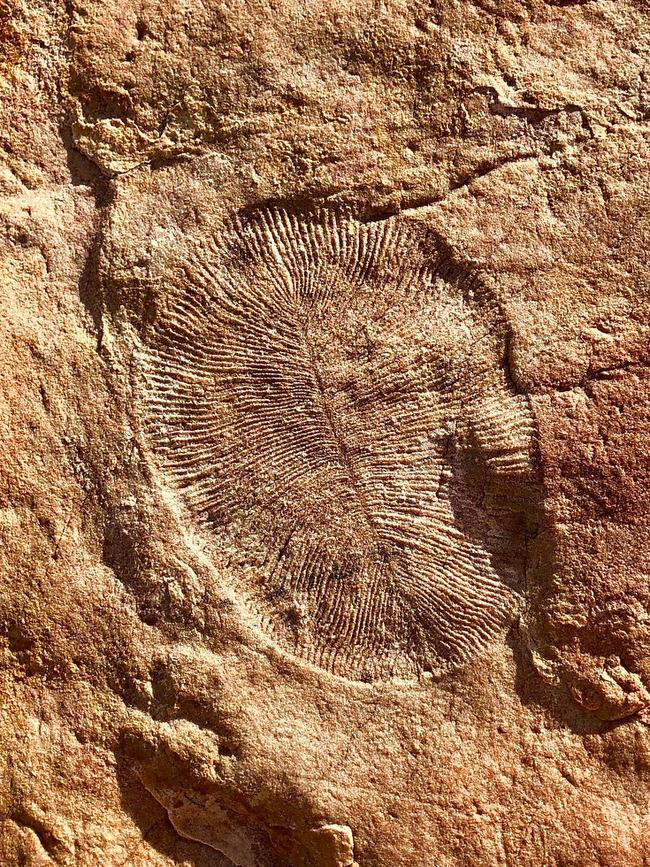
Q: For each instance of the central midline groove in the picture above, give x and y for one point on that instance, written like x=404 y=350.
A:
x=343 y=450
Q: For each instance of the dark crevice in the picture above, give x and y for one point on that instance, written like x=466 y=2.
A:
x=88 y=283
x=513 y=380
x=160 y=162
x=534 y=691
x=46 y=838
x=532 y=114
x=153 y=821
x=84 y=172
x=562 y=3
x=601 y=374
x=481 y=171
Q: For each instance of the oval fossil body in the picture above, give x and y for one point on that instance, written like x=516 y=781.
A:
x=329 y=399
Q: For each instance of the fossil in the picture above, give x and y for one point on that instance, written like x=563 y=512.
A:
x=329 y=399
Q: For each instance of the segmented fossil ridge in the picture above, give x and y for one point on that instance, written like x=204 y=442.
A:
x=329 y=399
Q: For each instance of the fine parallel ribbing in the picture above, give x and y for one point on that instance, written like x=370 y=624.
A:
x=328 y=398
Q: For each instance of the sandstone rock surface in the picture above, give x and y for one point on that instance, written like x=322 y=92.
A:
x=325 y=424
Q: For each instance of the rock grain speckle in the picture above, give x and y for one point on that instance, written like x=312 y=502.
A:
x=325 y=425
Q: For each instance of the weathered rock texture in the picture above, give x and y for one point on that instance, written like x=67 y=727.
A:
x=325 y=423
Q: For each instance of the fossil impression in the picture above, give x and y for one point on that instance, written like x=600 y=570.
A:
x=329 y=399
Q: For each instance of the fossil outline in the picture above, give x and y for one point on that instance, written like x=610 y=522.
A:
x=308 y=385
